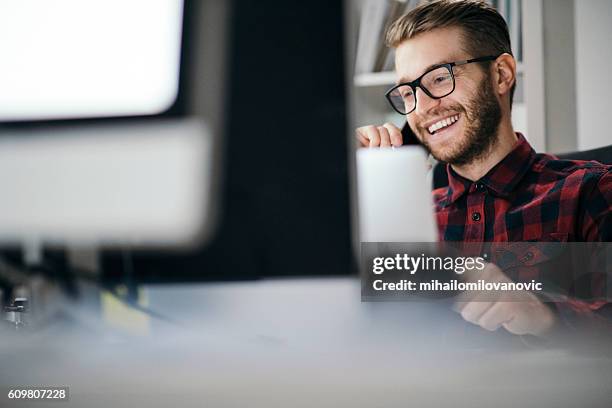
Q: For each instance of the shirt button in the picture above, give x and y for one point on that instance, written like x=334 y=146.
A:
x=479 y=186
x=475 y=216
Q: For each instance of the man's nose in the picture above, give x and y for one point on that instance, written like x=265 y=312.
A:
x=424 y=102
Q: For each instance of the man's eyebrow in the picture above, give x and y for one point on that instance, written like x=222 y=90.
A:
x=403 y=79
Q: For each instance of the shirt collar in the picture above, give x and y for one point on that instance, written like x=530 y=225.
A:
x=501 y=179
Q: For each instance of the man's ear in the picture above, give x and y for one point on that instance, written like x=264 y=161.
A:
x=504 y=68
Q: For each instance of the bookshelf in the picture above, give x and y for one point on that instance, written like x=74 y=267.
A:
x=528 y=113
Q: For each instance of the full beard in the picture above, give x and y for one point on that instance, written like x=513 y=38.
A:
x=482 y=118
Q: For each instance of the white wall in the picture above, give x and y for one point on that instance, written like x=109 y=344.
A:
x=593 y=75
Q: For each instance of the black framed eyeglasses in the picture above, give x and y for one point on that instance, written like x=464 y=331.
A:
x=437 y=82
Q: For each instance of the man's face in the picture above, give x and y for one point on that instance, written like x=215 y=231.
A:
x=472 y=106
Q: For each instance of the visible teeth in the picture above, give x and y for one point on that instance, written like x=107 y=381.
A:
x=443 y=123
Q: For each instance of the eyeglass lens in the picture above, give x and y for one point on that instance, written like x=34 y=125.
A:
x=438 y=83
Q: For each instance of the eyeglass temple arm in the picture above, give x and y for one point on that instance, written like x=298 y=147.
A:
x=481 y=59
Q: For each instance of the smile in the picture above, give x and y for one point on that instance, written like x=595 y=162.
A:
x=442 y=124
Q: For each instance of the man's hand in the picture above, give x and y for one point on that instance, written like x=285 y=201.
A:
x=386 y=135
x=519 y=312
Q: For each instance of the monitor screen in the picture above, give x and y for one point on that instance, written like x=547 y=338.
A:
x=70 y=59
x=139 y=170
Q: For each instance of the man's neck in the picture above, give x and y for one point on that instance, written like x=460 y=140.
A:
x=506 y=139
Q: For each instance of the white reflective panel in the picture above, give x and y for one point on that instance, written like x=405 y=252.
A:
x=141 y=184
x=94 y=58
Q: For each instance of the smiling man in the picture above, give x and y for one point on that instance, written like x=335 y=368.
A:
x=456 y=78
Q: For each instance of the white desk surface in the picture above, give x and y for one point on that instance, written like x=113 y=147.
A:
x=302 y=343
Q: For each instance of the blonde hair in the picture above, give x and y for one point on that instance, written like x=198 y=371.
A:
x=484 y=30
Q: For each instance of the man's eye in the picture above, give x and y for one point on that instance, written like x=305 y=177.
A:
x=406 y=94
x=440 y=79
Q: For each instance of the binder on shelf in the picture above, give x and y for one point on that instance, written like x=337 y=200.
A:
x=371 y=29
x=511 y=11
x=515 y=29
x=384 y=57
x=376 y=17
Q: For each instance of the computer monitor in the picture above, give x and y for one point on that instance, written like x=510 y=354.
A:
x=276 y=115
x=285 y=185
x=110 y=117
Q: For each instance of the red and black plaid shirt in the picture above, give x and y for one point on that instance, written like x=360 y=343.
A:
x=528 y=197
